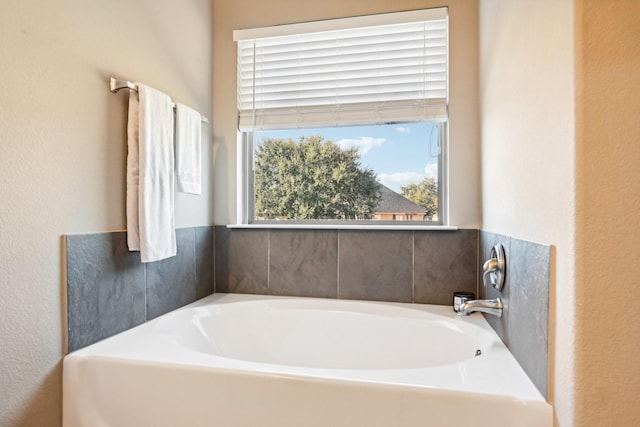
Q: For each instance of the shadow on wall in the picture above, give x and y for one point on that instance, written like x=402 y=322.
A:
x=45 y=404
x=221 y=160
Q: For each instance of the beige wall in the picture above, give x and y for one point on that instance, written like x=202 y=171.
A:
x=62 y=139
x=528 y=167
x=608 y=212
x=563 y=169
x=464 y=125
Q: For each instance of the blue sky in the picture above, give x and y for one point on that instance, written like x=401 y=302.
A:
x=400 y=154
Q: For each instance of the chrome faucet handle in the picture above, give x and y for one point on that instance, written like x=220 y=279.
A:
x=494 y=270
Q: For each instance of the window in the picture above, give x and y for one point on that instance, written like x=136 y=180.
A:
x=344 y=120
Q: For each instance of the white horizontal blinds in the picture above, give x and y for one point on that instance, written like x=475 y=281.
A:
x=346 y=76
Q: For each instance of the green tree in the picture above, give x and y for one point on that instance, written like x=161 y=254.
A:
x=312 y=179
x=424 y=194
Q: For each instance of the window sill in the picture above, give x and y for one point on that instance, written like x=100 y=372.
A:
x=345 y=227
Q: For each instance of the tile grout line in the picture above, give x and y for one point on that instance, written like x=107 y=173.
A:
x=195 y=266
x=268 y=260
x=146 y=291
x=213 y=230
x=413 y=266
x=338 y=266
x=478 y=255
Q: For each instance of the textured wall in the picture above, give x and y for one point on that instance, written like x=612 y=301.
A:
x=578 y=191
x=527 y=120
x=62 y=159
x=608 y=208
x=463 y=110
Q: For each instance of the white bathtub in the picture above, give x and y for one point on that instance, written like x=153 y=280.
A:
x=245 y=360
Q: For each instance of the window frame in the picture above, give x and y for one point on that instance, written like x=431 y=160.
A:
x=245 y=163
x=246 y=190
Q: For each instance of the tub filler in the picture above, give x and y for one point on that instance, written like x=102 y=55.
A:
x=246 y=360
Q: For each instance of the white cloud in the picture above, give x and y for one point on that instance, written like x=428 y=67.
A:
x=400 y=179
x=431 y=170
x=364 y=144
x=403 y=129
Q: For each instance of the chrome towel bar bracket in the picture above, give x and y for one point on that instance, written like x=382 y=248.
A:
x=116 y=85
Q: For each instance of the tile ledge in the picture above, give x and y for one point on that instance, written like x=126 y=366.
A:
x=344 y=227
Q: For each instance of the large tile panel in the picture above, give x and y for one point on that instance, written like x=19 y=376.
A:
x=105 y=287
x=375 y=265
x=444 y=262
x=303 y=263
x=529 y=308
x=242 y=264
x=524 y=324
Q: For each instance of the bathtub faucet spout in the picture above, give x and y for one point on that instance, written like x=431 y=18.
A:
x=489 y=306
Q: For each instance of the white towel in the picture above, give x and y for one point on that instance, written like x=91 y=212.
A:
x=188 y=150
x=150 y=175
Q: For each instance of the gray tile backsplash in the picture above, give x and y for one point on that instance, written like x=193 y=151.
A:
x=109 y=290
x=381 y=265
x=524 y=326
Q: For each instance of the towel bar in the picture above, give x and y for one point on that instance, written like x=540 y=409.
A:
x=115 y=85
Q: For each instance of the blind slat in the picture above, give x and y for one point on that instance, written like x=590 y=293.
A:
x=363 y=86
x=433 y=38
x=345 y=115
x=388 y=53
x=401 y=66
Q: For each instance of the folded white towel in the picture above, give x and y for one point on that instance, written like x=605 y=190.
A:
x=188 y=150
x=150 y=175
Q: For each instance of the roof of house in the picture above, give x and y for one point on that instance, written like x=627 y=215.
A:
x=393 y=202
